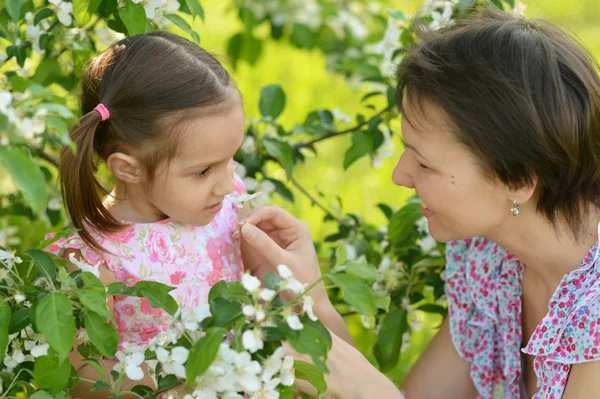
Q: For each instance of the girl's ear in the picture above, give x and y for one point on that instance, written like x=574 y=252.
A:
x=125 y=167
x=524 y=193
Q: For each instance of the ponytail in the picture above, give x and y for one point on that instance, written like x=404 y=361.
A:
x=81 y=188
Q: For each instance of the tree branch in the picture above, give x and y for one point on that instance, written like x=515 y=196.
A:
x=47 y=157
x=340 y=133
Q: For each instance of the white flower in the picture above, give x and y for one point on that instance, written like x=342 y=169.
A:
x=172 y=363
x=130 y=362
x=338 y=115
x=164 y=337
x=63 y=11
x=19 y=297
x=39 y=350
x=307 y=307
x=422 y=225
x=172 y=6
x=268 y=390
x=246 y=371
x=30 y=127
x=16 y=358
x=84 y=266
x=191 y=319
x=428 y=245
x=519 y=8
x=284 y=272
x=250 y=283
x=249 y=145
x=34 y=33
x=252 y=340
x=350 y=252
x=294 y=322
x=5 y=100
x=9 y=258
x=287 y=375
x=267 y=294
x=256 y=312
x=442 y=19
x=273 y=364
x=152 y=370
x=4 y=274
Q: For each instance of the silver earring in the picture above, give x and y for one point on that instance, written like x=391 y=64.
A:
x=515 y=208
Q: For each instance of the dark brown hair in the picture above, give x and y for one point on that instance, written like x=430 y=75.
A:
x=521 y=94
x=149 y=83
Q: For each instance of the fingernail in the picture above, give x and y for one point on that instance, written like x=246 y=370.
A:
x=248 y=231
x=236 y=233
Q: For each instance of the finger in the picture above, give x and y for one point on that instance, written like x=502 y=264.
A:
x=274 y=215
x=262 y=243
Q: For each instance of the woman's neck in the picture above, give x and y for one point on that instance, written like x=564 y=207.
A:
x=127 y=202
x=550 y=253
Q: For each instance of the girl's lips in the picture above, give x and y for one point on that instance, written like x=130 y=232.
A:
x=214 y=208
x=427 y=212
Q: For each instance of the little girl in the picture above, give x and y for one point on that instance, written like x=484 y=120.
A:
x=166 y=119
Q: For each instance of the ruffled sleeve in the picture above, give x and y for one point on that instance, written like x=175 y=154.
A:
x=483 y=291
x=74 y=241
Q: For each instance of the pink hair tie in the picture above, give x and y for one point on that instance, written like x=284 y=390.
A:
x=104 y=114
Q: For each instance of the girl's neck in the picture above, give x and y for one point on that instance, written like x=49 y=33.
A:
x=130 y=203
x=549 y=254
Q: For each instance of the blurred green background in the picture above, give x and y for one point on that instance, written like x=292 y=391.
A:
x=308 y=86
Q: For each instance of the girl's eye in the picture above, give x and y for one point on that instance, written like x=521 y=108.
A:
x=422 y=166
x=204 y=173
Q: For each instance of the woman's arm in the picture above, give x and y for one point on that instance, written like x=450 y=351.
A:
x=440 y=372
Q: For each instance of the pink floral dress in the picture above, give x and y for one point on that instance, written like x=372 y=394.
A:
x=484 y=286
x=190 y=258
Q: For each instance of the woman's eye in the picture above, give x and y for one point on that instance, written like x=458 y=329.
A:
x=422 y=166
x=204 y=173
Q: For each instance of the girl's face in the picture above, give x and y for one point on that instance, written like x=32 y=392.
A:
x=192 y=188
x=459 y=200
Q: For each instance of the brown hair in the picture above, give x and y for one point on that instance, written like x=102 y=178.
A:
x=149 y=83
x=524 y=97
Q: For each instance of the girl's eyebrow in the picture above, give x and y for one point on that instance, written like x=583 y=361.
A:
x=407 y=146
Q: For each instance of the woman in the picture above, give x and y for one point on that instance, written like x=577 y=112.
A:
x=501 y=119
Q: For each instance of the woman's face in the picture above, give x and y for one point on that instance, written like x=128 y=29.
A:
x=459 y=200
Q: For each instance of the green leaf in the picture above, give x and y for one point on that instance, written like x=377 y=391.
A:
x=42 y=14
x=182 y=23
x=203 y=353
x=219 y=290
x=101 y=334
x=99 y=386
x=312 y=342
x=51 y=374
x=94 y=301
x=224 y=312
x=272 y=101
x=18 y=321
x=244 y=46
x=168 y=382
x=44 y=264
x=158 y=295
x=54 y=318
x=92 y=283
x=383 y=302
x=41 y=395
x=389 y=342
x=397 y=15
x=4 y=323
x=303 y=37
x=272 y=281
x=356 y=293
x=433 y=308
x=83 y=10
x=498 y=3
x=195 y=8
x=309 y=372
x=134 y=17
x=13 y=7
x=120 y=288
x=464 y=6
x=27 y=176
x=430 y=262
x=99 y=369
x=362 y=144
x=281 y=151
x=400 y=229
x=360 y=269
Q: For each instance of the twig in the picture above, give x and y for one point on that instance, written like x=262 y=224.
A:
x=47 y=157
x=335 y=134
x=315 y=201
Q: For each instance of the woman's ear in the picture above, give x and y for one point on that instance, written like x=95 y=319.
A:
x=524 y=193
x=125 y=168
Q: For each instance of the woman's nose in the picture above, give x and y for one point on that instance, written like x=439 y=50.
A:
x=401 y=176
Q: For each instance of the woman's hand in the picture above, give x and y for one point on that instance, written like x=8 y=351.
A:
x=271 y=236
x=351 y=376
